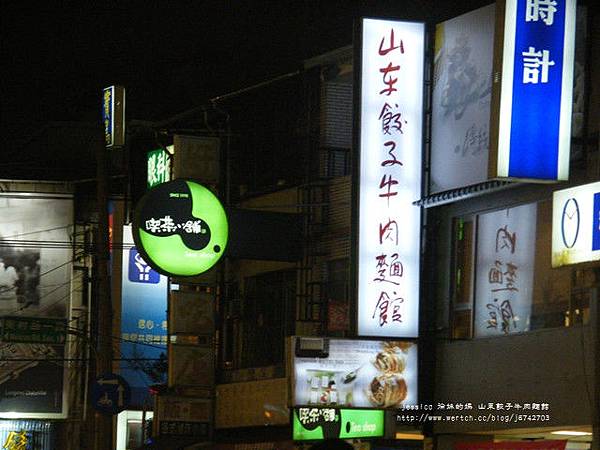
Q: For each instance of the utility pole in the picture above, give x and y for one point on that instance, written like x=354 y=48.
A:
x=102 y=423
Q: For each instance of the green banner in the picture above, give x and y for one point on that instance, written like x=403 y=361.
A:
x=311 y=424
x=33 y=330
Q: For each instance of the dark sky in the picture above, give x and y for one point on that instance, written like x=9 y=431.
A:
x=170 y=55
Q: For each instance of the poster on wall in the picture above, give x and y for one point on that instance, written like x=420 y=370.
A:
x=576 y=225
x=35 y=281
x=505 y=264
x=357 y=373
x=143 y=323
x=389 y=177
x=462 y=92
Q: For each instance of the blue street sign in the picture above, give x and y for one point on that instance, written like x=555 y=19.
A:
x=110 y=394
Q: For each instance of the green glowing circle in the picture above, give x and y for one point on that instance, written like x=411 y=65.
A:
x=180 y=228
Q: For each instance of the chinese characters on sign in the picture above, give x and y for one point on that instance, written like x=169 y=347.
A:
x=505 y=258
x=390 y=178
x=308 y=416
x=159 y=167
x=167 y=225
x=536 y=87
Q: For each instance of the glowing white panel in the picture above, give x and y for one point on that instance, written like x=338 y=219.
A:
x=391 y=113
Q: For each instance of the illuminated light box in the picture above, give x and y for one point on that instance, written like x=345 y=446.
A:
x=533 y=90
x=356 y=374
x=180 y=228
x=388 y=177
x=576 y=225
x=328 y=423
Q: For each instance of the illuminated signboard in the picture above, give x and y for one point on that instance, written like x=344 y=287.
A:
x=389 y=177
x=159 y=166
x=328 y=423
x=357 y=373
x=576 y=225
x=113 y=115
x=532 y=131
x=143 y=321
x=180 y=228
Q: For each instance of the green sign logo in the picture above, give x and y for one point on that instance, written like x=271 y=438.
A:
x=180 y=228
x=329 y=423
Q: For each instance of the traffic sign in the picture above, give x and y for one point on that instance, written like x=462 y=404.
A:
x=110 y=394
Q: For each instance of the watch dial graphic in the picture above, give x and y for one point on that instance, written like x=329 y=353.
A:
x=570 y=222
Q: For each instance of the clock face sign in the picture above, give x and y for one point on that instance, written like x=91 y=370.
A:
x=180 y=228
x=571 y=220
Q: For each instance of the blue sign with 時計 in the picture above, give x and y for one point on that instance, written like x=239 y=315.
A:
x=596 y=229
x=110 y=394
x=139 y=271
x=537 y=85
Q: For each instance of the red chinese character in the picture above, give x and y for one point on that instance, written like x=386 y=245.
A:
x=388 y=79
x=387 y=181
x=394 y=160
x=388 y=232
x=390 y=121
x=391 y=47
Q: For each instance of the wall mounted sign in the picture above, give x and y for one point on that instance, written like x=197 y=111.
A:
x=357 y=373
x=113 y=115
x=158 y=166
x=576 y=225
x=533 y=90
x=461 y=100
x=505 y=263
x=388 y=181
x=143 y=320
x=329 y=423
x=180 y=228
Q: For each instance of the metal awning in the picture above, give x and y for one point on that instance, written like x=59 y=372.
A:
x=454 y=195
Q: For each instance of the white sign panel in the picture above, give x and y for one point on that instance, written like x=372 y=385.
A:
x=505 y=262
x=576 y=225
x=462 y=92
x=389 y=229
x=358 y=373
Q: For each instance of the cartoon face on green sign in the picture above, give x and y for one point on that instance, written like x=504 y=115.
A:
x=180 y=228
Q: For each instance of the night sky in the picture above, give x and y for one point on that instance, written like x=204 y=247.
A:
x=170 y=55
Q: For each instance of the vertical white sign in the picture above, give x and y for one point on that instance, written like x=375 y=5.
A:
x=505 y=263
x=389 y=228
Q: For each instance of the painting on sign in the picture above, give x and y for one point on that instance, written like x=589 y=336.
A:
x=504 y=280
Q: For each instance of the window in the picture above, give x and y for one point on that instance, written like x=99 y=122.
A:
x=502 y=279
x=268 y=314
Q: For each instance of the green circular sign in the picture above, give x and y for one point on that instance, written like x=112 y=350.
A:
x=180 y=228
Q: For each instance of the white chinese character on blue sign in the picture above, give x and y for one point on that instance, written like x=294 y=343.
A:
x=533 y=61
x=540 y=9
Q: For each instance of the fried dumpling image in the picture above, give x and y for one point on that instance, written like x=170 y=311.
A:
x=389 y=362
x=387 y=390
